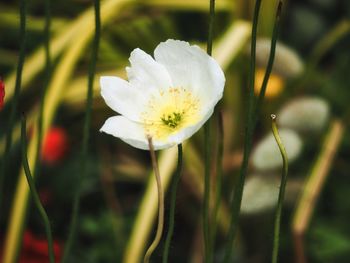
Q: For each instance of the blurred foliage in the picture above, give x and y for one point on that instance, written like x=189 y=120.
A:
x=115 y=183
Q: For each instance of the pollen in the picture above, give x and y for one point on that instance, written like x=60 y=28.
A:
x=170 y=111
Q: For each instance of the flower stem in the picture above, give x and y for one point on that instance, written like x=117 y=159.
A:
x=175 y=184
x=219 y=172
x=156 y=240
x=34 y=193
x=207 y=143
x=46 y=82
x=206 y=200
x=251 y=117
x=14 y=104
x=282 y=189
x=211 y=27
x=238 y=189
x=270 y=62
x=86 y=132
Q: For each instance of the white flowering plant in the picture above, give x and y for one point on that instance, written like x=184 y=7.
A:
x=170 y=90
x=168 y=97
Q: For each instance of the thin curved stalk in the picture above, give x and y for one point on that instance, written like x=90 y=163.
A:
x=206 y=198
x=46 y=82
x=158 y=236
x=238 y=191
x=14 y=104
x=211 y=27
x=207 y=143
x=281 y=192
x=58 y=84
x=270 y=62
x=35 y=62
x=251 y=117
x=34 y=193
x=226 y=52
x=86 y=132
x=175 y=184
x=218 y=179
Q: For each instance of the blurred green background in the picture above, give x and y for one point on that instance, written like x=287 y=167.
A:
x=309 y=92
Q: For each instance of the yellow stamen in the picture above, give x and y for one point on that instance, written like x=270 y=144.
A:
x=170 y=111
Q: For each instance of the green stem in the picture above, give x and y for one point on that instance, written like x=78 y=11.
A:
x=175 y=184
x=219 y=172
x=86 y=132
x=156 y=240
x=252 y=115
x=238 y=189
x=14 y=104
x=46 y=82
x=269 y=63
x=34 y=193
x=211 y=27
x=282 y=189
x=206 y=201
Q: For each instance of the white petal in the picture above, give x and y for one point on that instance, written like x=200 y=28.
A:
x=187 y=132
x=145 y=73
x=120 y=96
x=130 y=132
x=191 y=68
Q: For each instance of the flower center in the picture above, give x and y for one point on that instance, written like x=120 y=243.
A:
x=172 y=120
x=170 y=111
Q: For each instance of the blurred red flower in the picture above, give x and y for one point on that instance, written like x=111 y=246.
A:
x=55 y=145
x=2 y=93
x=35 y=249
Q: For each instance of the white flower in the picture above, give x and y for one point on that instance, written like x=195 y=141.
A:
x=167 y=98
